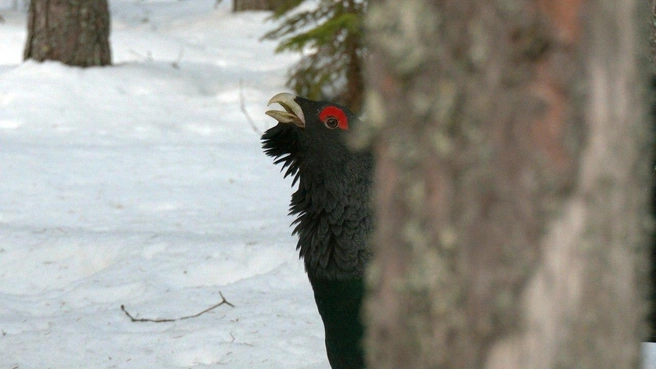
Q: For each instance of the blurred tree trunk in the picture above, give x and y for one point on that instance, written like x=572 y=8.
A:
x=242 y=5
x=652 y=310
x=353 y=94
x=512 y=183
x=70 y=31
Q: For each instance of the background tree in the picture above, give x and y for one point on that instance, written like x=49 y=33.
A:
x=243 y=5
x=652 y=292
x=330 y=39
x=512 y=183
x=73 y=32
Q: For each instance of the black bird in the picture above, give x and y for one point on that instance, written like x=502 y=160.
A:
x=333 y=213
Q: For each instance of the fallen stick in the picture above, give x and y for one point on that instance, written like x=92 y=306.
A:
x=132 y=318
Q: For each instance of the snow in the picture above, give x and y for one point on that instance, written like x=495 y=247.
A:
x=143 y=184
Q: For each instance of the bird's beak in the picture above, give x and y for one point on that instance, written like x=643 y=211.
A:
x=293 y=112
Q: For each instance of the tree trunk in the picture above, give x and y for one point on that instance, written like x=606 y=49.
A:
x=354 y=90
x=652 y=292
x=73 y=32
x=242 y=5
x=512 y=183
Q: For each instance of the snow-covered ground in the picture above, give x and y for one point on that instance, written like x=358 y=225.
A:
x=143 y=184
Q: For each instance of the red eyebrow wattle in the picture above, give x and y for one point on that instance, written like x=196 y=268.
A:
x=337 y=113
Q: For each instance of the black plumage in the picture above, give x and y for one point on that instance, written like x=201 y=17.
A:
x=333 y=213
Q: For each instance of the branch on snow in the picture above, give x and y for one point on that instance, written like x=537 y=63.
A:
x=132 y=318
x=242 y=105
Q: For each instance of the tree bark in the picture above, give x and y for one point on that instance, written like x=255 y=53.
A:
x=354 y=91
x=73 y=32
x=652 y=292
x=513 y=172
x=243 y=5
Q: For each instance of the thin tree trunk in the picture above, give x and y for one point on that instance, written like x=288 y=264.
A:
x=652 y=291
x=512 y=183
x=354 y=90
x=73 y=32
x=243 y=5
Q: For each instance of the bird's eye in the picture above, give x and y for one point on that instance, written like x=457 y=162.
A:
x=334 y=117
x=331 y=122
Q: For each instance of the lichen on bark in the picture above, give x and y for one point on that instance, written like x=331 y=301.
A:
x=478 y=114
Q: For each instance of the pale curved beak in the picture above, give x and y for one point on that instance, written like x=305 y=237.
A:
x=293 y=112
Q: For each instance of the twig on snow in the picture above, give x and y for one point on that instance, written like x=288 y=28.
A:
x=242 y=105
x=176 y=63
x=132 y=318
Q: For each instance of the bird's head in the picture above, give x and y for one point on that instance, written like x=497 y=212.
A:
x=310 y=133
x=330 y=116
